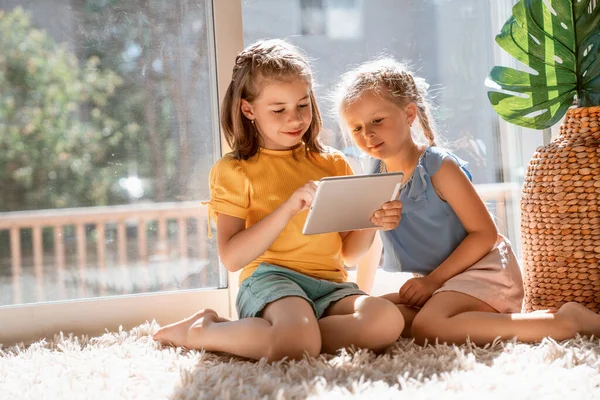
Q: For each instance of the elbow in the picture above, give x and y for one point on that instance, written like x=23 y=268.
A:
x=229 y=264
x=352 y=251
x=229 y=257
x=493 y=234
x=350 y=262
x=350 y=259
x=489 y=237
x=230 y=267
x=485 y=238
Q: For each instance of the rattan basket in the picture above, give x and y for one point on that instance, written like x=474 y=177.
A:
x=560 y=220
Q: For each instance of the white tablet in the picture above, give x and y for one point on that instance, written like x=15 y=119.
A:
x=347 y=203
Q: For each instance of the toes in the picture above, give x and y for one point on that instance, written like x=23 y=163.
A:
x=158 y=334
x=203 y=313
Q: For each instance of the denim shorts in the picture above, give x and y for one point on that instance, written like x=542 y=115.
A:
x=269 y=283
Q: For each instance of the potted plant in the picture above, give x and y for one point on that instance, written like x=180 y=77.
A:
x=560 y=218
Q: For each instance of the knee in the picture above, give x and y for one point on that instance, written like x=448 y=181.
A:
x=383 y=322
x=294 y=342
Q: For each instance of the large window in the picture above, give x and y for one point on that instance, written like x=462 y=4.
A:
x=108 y=130
x=107 y=136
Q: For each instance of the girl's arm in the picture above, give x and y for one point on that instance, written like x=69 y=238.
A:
x=367 y=266
x=453 y=186
x=357 y=243
x=239 y=246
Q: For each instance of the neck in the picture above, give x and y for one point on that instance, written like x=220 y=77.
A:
x=405 y=159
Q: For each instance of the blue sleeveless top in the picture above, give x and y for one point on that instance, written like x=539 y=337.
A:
x=429 y=230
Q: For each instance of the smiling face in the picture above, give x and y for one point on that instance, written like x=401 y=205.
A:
x=282 y=113
x=377 y=126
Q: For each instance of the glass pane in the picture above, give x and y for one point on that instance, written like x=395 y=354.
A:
x=450 y=43
x=108 y=129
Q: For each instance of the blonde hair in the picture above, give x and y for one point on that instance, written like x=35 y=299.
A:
x=267 y=59
x=392 y=81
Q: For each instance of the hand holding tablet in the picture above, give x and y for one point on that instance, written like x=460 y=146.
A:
x=346 y=203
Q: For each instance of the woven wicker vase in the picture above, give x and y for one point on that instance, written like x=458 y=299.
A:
x=560 y=217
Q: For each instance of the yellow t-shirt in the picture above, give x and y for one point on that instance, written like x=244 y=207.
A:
x=251 y=189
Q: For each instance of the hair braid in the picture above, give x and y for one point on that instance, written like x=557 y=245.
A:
x=422 y=109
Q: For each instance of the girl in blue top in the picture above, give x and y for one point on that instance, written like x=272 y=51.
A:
x=468 y=282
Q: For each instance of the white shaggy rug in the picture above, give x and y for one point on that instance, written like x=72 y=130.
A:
x=129 y=365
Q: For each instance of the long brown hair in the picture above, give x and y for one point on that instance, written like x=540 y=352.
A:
x=393 y=81
x=270 y=59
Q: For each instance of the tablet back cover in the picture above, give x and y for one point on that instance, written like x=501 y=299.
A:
x=347 y=203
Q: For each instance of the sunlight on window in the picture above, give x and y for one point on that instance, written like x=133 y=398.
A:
x=133 y=185
x=106 y=141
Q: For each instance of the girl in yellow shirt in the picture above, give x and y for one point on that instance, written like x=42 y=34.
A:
x=293 y=298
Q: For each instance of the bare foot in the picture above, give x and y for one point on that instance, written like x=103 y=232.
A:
x=586 y=321
x=176 y=334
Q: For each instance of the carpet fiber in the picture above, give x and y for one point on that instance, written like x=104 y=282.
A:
x=129 y=365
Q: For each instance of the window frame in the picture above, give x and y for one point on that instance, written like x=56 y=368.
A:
x=30 y=322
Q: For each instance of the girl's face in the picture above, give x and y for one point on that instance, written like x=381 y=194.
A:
x=282 y=113
x=377 y=126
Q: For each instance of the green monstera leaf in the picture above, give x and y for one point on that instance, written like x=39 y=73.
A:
x=560 y=41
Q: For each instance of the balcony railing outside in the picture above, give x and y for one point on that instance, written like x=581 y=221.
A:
x=102 y=240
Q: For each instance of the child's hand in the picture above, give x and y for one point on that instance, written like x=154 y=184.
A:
x=301 y=199
x=417 y=291
x=388 y=216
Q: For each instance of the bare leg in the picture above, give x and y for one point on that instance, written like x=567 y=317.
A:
x=452 y=317
x=288 y=329
x=408 y=312
x=175 y=334
x=363 y=321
